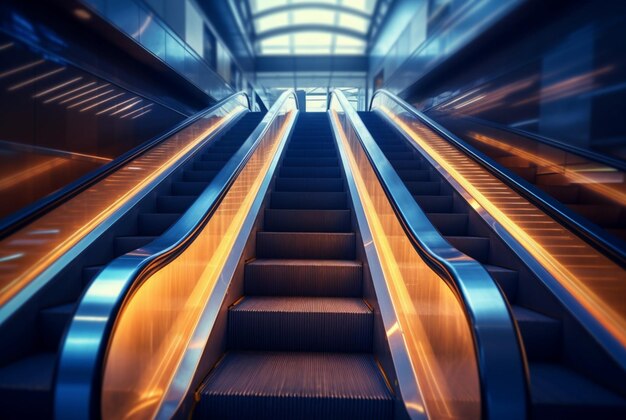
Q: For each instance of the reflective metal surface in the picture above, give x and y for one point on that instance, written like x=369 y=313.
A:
x=462 y=343
x=138 y=334
x=31 y=256
x=590 y=285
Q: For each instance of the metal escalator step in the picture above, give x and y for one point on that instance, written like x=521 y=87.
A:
x=559 y=392
x=434 y=203
x=211 y=156
x=296 y=323
x=307 y=245
x=424 y=187
x=414 y=174
x=541 y=334
x=208 y=165
x=306 y=386
x=308 y=200
x=310 y=161
x=199 y=176
x=188 y=188
x=506 y=279
x=311 y=153
x=52 y=322
x=289 y=220
x=175 y=203
x=311 y=145
x=303 y=172
x=277 y=277
x=154 y=224
x=26 y=387
x=476 y=247
x=449 y=223
x=309 y=184
x=125 y=244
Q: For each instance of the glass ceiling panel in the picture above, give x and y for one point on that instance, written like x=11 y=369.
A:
x=353 y=17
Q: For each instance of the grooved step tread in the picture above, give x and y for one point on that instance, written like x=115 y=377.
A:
x=297 y=304
x=275 y=385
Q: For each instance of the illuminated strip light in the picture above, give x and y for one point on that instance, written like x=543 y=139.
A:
x=104 y=111
x=90 y=98
x=21 y=68
x=11 y=257
x=6 y=46
x=47 y=101
x=143 y=113
x=136 y=111
x=102 y=102
x=57 y=87
x=35 y=79
x=31 y=172
x=83 y=94
x=129 y=106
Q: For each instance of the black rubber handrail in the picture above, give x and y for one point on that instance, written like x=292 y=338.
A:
x=18 y=220
x=568 y=218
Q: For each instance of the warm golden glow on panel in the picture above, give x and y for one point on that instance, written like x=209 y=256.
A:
x=431 y=318
x=156 y=325
x=593 y=279
x=74 y=219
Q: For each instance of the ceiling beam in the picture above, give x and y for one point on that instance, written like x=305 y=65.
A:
x=311 y=5
x=290 y=29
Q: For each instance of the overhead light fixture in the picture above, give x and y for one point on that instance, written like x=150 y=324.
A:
x=35 y=79
x=57 y=87
x=47 y=101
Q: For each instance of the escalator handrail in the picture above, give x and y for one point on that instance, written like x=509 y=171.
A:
x=555 y=209
x=579 y=151
x=79 y=366
x=18 y=220
x=501 y=365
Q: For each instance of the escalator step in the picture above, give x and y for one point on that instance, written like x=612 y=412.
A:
x=281 y=323
x=414 y=174
x=303 y=172
x=310 y=161
x=125 y=244
x=303 y=278
x=175 y=203
x=541 y=334
x=424 y=187
x=287 y=220
x=53 y=322
x=309 y=184
x=406 y=164
x=476 y=247
x=311 y=153
x=188 y=188
x=311 y=146
x=434 y=203
x=26 y=387
x=155 y=224
x=222 y=157
x=339 y=246
x=559 y=392
x=308 y=200
x=454 y=224
x=199 y=176
x=279 y=386
x=208 y=165
x=506 y=279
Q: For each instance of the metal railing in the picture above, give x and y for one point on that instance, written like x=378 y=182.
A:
x=140 y=329
x=464 y=347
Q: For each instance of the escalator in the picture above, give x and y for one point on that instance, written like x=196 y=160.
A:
x=571 y=375
x=300 y=339
x=591 y=186
x=37 y=328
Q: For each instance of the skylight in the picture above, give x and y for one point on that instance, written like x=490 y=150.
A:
x=301 y=27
